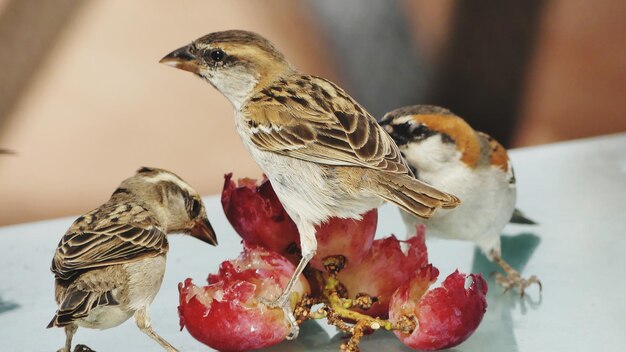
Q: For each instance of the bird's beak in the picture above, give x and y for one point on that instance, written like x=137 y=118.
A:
x=203 y=231
x=183 y=59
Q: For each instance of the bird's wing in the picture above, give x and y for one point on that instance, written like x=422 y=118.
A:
x=104 y=237
x=324 y=126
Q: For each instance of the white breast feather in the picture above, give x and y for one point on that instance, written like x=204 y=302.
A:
x=487 y=198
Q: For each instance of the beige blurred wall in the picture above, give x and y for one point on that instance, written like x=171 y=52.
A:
x=102 y=106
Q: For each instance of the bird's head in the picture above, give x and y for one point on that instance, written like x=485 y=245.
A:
x=431 y=137
x=175 y=204
x=235 y=62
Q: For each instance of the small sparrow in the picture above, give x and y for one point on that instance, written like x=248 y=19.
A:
x=323 y=153
x=444 y=151
x=110 y=263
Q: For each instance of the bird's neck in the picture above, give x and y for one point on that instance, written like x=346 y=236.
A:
x=270 y=75
x=273 y=73
x=239 y=85
x=236 y=85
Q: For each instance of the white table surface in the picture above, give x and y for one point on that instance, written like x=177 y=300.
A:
x=575 y=190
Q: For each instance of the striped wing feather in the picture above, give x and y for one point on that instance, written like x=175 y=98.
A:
x=311 y=127
x=87 y=246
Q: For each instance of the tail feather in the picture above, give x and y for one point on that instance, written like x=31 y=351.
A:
x=519 y=218
x=414 y=196
x=77 y=304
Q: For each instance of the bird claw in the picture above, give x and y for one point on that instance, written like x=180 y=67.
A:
x=77 y=348
x=279 y=302
x=514 y=280
x=282 y=302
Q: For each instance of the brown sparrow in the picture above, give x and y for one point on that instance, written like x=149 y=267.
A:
x=323 y=153
x=110 y=263
x=447 y=153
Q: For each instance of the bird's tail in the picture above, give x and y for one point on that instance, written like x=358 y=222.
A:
x=519 y=218
x=414 y=196
x=77 y=304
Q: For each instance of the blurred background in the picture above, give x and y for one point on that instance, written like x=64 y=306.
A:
x=84 y=102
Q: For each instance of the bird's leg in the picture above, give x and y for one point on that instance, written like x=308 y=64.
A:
x=143 y=322
x=284 y=298
x=70 y=330
x=284 y=302
x=512 y=278
x=309 y=246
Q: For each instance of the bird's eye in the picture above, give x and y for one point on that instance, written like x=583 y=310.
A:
x=217 y=55
x=195 y=209
x=420 y=132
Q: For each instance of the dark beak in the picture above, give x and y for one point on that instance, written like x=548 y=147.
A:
x=183 y=59
x=203 y=231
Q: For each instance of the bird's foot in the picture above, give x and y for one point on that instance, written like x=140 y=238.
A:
x=513 y=279
x=284 y=303
x=284 y=300
x=77 y=348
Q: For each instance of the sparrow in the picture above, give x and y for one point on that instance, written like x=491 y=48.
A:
x=446 y=152
x=110 y=263
x=323 y=153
